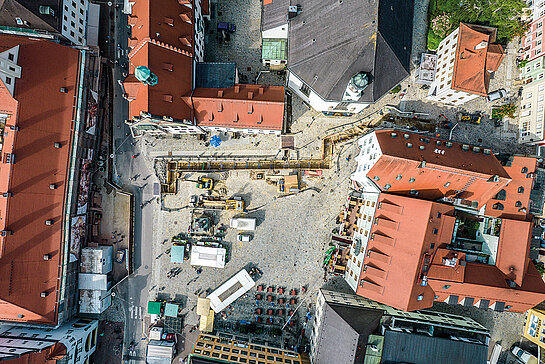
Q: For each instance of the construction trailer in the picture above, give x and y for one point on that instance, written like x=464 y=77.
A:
x=160 y=352
x=243 y=223
x=210 y=202
x=208 y=257
x=230 y=291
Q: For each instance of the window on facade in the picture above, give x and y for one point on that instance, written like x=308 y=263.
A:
x=305 y=89
x=497 y=206
x=446 y=286
x=435 y=231
x=518 y=204
x=521 y=189
x=420 y=297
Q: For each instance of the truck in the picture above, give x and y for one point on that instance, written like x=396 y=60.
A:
x=234 y=203
x=205 y=183
x=243 y=223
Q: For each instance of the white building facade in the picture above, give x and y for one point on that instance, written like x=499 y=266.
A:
x=370 y=152
x=316 y=101
x=360 y=238
x=441 y=88
x=74 y=20
x=79 y=337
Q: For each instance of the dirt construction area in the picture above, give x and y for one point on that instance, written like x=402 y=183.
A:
x=287 y=246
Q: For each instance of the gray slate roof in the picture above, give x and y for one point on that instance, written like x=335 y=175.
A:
x=331 y=40
x=274 y=14
x=344 y=333
x=402 y=347
x=29 y=11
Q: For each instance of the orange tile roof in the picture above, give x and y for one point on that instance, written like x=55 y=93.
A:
x=517 y=192
x=162 y=36
x=513 y=248
x=483 y=281
x=251 y=106
x=415 y=234
x=447 y=171
x=47 y=356
x=173 y=71
x=474 y=58
x=44 y=116
x=400 y=237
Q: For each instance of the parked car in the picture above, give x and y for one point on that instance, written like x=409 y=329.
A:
x=496 y=95
x=523 y=355
x=244 y=237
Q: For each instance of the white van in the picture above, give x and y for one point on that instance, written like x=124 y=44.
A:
x=243 y=223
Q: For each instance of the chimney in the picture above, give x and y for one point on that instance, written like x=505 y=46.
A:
x=220 y=93
x=52 y=186
x=47 y=256
x=44 y=294
x=49 y=222
x=237 y=89
x=57 y=145
x=261 y=90
x=250 y=95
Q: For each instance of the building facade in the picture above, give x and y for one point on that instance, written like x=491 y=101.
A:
x=532 y=41
x=465 y=60
x=73 y=342
x=531 y=121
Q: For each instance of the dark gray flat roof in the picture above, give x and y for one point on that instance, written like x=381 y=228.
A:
x=215 y=74
x=344 y=333
x=402 y=347
x=29 y=11
x=274 y=14
x=331 y=41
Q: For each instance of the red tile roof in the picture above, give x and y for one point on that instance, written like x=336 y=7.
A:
x=400 y=238
x=46 y=356
x=515 y=197
x=415 y=234
x=251 y=106
x=162 y=39
x=513 y=249
x=437 y=170
x=173 y=71
x=474 y=58
x=162 y=36
x=487 y=282
x=44 y=116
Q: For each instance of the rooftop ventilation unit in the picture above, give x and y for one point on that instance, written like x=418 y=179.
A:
x=294 y=10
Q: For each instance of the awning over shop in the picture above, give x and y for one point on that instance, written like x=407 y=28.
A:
x=154 y=307
x=171 y=310
x=177 y=254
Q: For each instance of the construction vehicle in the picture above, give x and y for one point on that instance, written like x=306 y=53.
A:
x=474 y=118
x=205 y=183
x=211 y=202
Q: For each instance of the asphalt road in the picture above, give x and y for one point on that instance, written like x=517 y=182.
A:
x=133 y=291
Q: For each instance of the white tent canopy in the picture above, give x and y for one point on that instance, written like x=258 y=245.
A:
x=208 y=257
